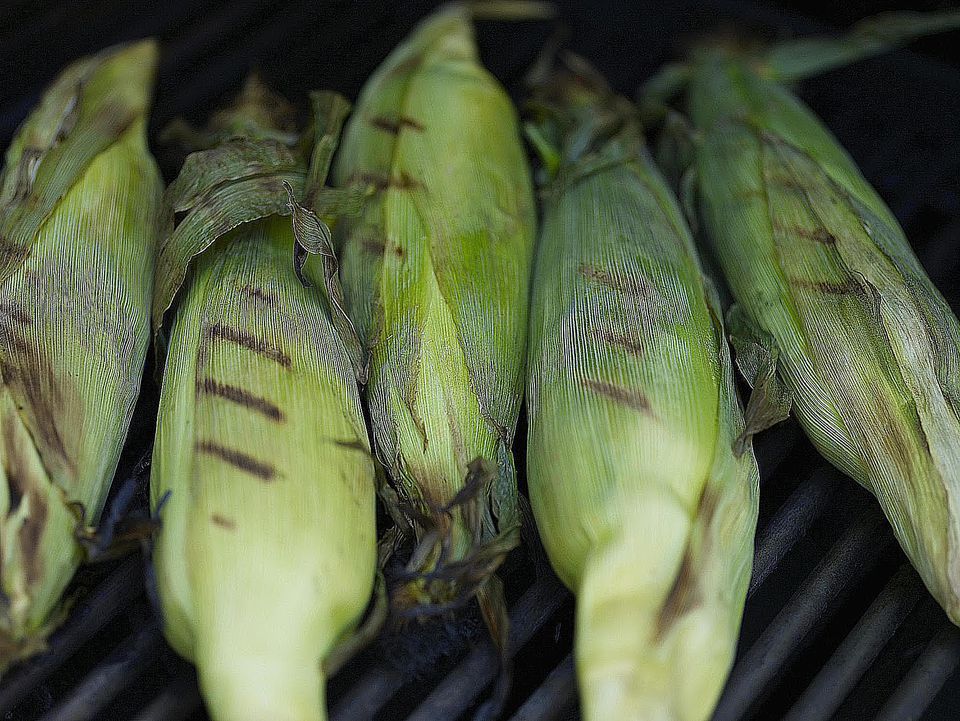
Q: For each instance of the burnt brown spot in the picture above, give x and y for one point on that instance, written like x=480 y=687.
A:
x=680 y=598
x=21 y=487
x=624 y=396
x=258 y=294
x=817 y=235
x=633 y=285
x=373 y=245
x=628 y=343
x=899 y=445
x=44 y=399
x=116 y=119
x=11 y=253
x=30 y=536
x=430 y=505
x=398 y=251
x=787 y=182
x=225 y=523
x=395 y=125
x=7 y=371
x=246 y=340
x=408 y=65
x=13 y=341
x=238 y=459
x=352 y=445
x=709 y=500
x=16 y=314
x=377 y=180
x=241 y=397
x=15 y=490
x=382 y=182
x=405 y=182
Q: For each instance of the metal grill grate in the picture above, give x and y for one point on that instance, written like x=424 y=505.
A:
x=837 y=624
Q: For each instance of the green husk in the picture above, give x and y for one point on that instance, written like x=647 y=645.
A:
x=646 y=510
x=262 y=474
x=833 y=307
x=435 y=274
x=79 y=221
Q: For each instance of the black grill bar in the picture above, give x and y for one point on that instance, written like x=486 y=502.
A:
x=370 y=694
x=850 y=557
x=859 y=649
x=178 y=701
x=461 y=687
x=925 y=679
x=98 y=688
x=557 y=694
x=776 y=446
x=791 y=522
x=118 y=591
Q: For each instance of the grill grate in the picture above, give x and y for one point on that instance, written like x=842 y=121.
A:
x=837 y=624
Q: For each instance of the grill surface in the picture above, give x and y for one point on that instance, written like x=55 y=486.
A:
x=837 y=624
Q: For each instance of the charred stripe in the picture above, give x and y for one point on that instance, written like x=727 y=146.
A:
x=248 y=341
x=395 y=125
x=241 y=397
x=238 y=459
x=619 y=394
x=258 y=294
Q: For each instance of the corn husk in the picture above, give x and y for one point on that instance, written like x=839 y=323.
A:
x=833 y=307
x=646 y=510
x=79 y=217
x=262 y=473
x=435 y=274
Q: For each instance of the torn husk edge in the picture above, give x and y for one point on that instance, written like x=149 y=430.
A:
x=251 y=176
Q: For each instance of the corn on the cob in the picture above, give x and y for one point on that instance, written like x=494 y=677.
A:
x=435 y=275
x=79 y=213
x=262 y=470
x=645 y=509
x=831 y=301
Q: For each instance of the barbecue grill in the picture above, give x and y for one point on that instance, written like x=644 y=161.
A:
x=837 y=623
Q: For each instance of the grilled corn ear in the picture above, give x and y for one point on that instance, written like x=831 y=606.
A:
x=645 y=509
x=833 y=307
x=435 y=274
x=262 y=474
x=79 y=220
